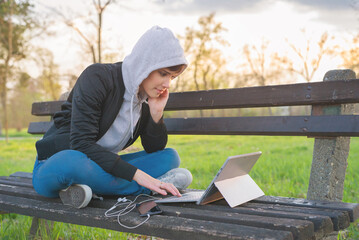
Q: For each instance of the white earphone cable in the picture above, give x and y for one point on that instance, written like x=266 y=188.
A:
x=130 y=205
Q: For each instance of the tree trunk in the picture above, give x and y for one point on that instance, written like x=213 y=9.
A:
x=3 y=103
x=6 y=73
x=197 y=85
x=270 y=111
x=99 y=35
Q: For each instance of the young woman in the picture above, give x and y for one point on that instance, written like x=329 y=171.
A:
x=110 y=106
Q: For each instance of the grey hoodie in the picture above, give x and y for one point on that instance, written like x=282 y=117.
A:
x=157 y=48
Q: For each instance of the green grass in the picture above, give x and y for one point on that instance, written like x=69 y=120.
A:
x=283 y=170
x=15 y=133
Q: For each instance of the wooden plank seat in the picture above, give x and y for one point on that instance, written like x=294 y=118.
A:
x=268 y=217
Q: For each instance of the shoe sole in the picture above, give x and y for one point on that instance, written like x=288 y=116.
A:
x=77 y=196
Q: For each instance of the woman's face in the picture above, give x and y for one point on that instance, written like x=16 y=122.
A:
x=157 y=82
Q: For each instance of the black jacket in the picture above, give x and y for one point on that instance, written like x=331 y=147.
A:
x=88 y=113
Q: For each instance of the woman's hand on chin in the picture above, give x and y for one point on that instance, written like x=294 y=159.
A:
x=157 y=105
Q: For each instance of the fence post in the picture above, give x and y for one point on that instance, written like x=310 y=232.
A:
x=330 y=154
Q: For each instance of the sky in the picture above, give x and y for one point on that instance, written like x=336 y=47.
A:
x=246 y=21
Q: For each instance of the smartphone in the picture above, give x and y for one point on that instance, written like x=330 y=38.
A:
x=148 y=208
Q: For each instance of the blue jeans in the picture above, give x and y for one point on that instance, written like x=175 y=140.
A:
x=73 y=167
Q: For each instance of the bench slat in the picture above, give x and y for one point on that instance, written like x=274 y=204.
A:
x=27 y=180
x=351 y=208
x=159 y=225
x=46 y=108
x=301 y=229
x=339 y=219
x=13 y=182
x=343 y=125
x=334 y=92
x=38 y=127
x=24 y=192
x=324 y=221
x=327 y=126
x=22 y=175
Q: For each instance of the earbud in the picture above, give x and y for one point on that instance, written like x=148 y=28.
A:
x=124 y=199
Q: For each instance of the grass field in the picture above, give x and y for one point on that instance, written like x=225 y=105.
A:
x=283 y=170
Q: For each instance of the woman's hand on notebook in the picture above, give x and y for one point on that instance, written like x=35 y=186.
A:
x=153 y=184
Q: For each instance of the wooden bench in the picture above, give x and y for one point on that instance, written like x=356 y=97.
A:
x=267 y=217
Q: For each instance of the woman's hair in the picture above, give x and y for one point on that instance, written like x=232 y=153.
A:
x=177 y=68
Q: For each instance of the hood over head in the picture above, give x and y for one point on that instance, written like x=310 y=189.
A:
x=157 y=48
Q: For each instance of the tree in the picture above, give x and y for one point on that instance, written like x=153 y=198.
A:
x=311 y=55
x=262 y=66
x=351 y=56
x=207 y=62
x=87 y=37
x=14 y=22
x=20 y=99
x=49 y=78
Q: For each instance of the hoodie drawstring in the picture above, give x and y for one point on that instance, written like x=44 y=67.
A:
x=131 y=115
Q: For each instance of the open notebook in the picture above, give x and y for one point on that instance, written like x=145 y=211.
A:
x=232 y=183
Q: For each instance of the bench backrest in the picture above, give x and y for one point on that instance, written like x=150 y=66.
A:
x=314 y=94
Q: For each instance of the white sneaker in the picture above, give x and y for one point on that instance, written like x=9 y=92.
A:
x=181 y=178
x=77 y=195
